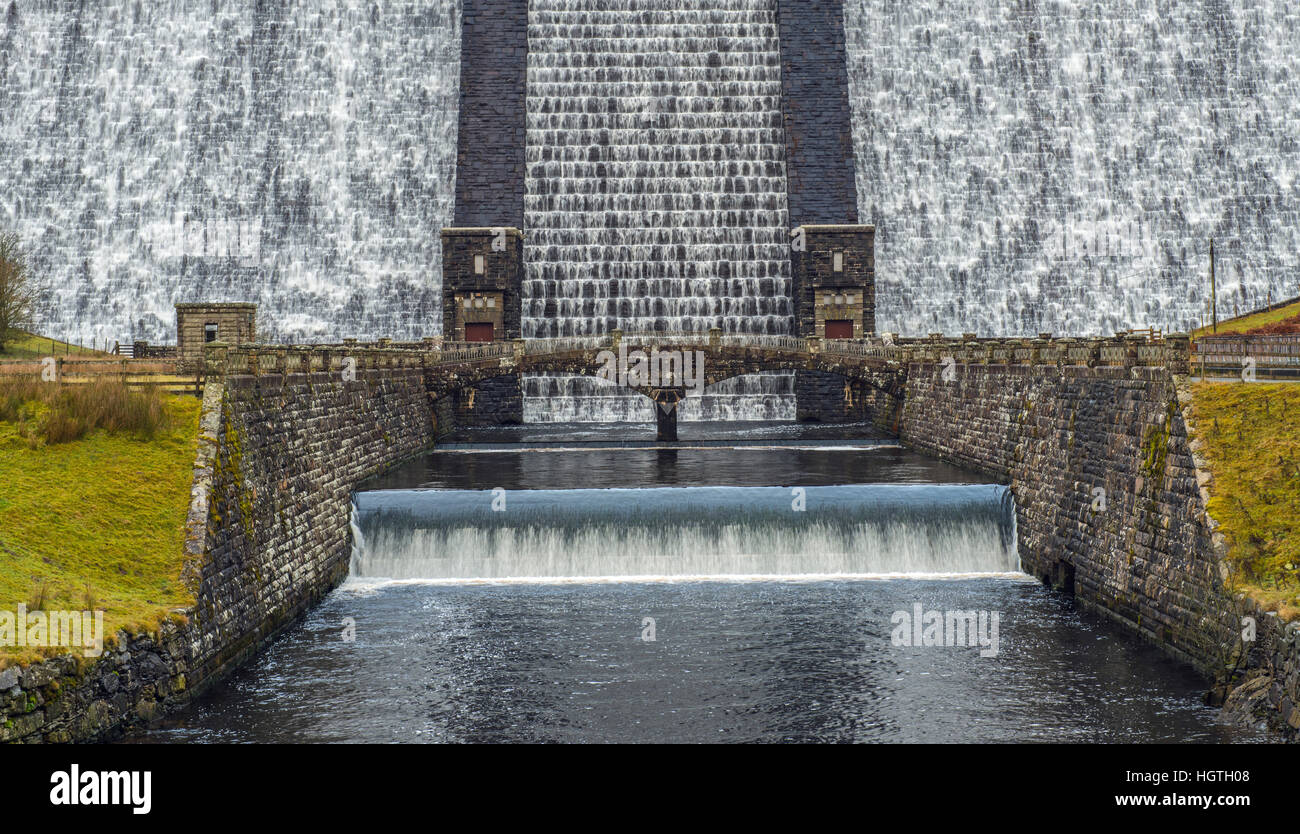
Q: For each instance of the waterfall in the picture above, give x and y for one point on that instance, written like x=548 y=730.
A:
x=1062 y=167
x=767 y=396
x=1029 y=166
x=656 y=189
x=297 y=155
x=863 y=530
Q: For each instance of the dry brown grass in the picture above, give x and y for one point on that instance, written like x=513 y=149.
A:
x=57 y=413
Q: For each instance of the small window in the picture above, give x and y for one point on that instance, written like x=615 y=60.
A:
x=491 y=302
x=837 y=261
x=210 y=332
x=480 y=264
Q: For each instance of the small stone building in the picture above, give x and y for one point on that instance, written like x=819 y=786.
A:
x=198 y=324
x=834 y=281
x=482 y=276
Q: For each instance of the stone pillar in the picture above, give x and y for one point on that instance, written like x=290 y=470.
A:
x=666 y=421
x=214 y=358
x=1094 y=352
x=1131 y=344
x=715 y=338
x=1178 y=350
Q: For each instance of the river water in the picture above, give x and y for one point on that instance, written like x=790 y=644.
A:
x=749 y=584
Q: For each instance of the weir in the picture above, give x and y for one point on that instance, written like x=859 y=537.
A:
x=868 y=530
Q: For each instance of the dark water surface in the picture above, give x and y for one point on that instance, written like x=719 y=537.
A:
x=764 y=661
x=550 y=659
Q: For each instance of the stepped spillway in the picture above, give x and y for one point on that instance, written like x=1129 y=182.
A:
x=656 y=189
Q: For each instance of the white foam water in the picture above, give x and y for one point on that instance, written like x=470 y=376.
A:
x=561 y=535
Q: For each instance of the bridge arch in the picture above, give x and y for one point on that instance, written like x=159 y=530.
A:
x=859 y=378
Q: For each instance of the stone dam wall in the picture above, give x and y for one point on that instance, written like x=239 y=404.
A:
x=280 y=453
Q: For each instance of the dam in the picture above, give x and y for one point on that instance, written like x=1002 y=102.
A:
x=419 y=485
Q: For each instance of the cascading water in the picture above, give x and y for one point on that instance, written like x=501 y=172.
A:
x=863 y=530
x=297 y=155
x=1029 y=167
x=656 y=189
x=1061 y=166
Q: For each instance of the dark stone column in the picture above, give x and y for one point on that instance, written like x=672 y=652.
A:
x=820 y=168
x=493 y=402
x=666 y=418
x=490 y=143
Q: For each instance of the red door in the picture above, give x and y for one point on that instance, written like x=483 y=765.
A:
x=839 y=329
x=481 y=332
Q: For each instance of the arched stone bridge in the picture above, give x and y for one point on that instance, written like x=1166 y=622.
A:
x=867 y=366
x=678 y=364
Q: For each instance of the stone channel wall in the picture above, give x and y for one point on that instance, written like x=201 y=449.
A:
x=281 y=450
x=1109 y=506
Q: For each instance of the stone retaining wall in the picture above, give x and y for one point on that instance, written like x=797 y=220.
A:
x=267 y=536
x=1108 y=501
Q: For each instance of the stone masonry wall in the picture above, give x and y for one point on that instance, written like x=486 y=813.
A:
x=490 y=143
x=498 y=401
x=820 y=167
x=267 y=536
x=813 y=277
x=828 y=398
x=1140 y=552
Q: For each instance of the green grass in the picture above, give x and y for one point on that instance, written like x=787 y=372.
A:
x=97 y=522
x=29 y=346
x=1251 y=433
x=1250 y=322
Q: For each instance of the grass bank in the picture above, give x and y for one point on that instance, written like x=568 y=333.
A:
x=1251 y=433
x=95 y=521
x=1250 y=322
x=30 y=346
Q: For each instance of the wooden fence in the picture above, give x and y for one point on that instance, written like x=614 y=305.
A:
x=1272 y=357
x=137 y=373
